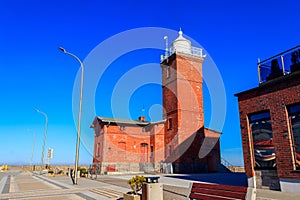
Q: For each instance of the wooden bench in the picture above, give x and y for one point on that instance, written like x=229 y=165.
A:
x=218 y=192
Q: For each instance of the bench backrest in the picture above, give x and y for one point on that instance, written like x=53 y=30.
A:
x=216 y=192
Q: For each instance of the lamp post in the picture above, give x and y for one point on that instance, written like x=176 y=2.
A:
x=32 y=151
x=79 y=112
x=44 y=142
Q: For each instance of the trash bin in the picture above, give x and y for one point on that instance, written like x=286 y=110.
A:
x=152 y=179
x=152 y=190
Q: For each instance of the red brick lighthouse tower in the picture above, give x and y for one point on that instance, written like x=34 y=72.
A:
x=183 y=107
x=180 y=141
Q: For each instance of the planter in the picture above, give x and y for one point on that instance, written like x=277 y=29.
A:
x=131 y=197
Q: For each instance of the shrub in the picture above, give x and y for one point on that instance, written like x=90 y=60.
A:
x=136 y=183
x=83 y=171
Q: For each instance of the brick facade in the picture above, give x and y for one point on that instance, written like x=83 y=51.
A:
x=180 y=139
x=274 y=96
x=125 y=145
x=183 y=103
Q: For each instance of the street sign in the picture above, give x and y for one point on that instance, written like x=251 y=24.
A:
x=50 y=153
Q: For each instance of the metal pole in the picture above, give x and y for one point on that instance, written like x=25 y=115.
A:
x=258 y=70
x=167 y=47
x=79 y=113
x=32 y=152
x=44 y=142
x=282 y=63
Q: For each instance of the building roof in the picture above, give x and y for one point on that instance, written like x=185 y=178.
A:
x=123 y=121
x=126 y=121
x=276 y=84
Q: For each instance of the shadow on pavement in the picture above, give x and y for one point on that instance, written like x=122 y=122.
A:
x=234 y=178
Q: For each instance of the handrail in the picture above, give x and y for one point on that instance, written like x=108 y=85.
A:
x=279 y=65
x=226 y=163
x=193 y=51
x=277 y=55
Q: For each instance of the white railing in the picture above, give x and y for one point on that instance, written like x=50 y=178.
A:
x=279 y=65
x=193 y=51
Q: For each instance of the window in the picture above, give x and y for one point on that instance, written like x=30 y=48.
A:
x=294 y=117
x=168 y=71
x=151 y=150
x=122 y=151
x=144 y=152
x=261 y=129
x=170 y=150
x=98 y=150
x=170 y=124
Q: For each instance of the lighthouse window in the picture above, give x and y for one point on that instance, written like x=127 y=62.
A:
x=168 y=71
x=170 y=124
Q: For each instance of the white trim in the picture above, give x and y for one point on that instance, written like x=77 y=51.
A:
x=251 y=193
x=189 y=190
x=252 y=182
x=290 y=185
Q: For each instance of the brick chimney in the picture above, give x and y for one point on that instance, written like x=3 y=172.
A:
x=142 y=118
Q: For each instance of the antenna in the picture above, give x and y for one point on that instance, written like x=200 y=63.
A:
x=167 y=48
x=143 y=110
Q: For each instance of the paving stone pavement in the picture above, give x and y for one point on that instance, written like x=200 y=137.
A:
x=25 y=185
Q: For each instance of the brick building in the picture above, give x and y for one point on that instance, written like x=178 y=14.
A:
x=181 y=140
x=270 y=124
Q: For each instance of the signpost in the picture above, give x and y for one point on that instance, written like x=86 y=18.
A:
x=49 y=156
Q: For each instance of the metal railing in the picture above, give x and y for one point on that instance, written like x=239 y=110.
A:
x=227 y=164
x=279 y=65
x=193 y=51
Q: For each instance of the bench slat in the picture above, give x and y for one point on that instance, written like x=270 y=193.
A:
x=223 y=193
x=217 y=192
x=205 y=197
x=221 y=187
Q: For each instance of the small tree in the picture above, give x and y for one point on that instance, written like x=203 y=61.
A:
x=136 y=183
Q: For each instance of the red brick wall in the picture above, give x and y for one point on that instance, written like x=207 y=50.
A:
x=273 y=96
x=98 y=139
x=201 y=153
x=133 y=137
x=125 y=146
x=182 y=98
x=157 y=141
x=183 y=102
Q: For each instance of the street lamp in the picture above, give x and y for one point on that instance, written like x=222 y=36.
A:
x=45 y=131
x=80 y=110
x=32 y=151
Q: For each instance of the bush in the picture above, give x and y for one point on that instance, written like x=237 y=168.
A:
x=83 y=171
x=136 y=183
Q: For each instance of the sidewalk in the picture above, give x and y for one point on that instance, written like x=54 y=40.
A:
x=33 y=186
x=179 y=183
x=27 y=186
x=270 y=194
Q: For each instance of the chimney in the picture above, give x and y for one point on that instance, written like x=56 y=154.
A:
x=142 y=118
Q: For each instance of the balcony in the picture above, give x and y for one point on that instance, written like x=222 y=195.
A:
x=191 y=51
x=279 y=65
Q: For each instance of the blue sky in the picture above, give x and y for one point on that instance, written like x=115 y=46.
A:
x=34 y=74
